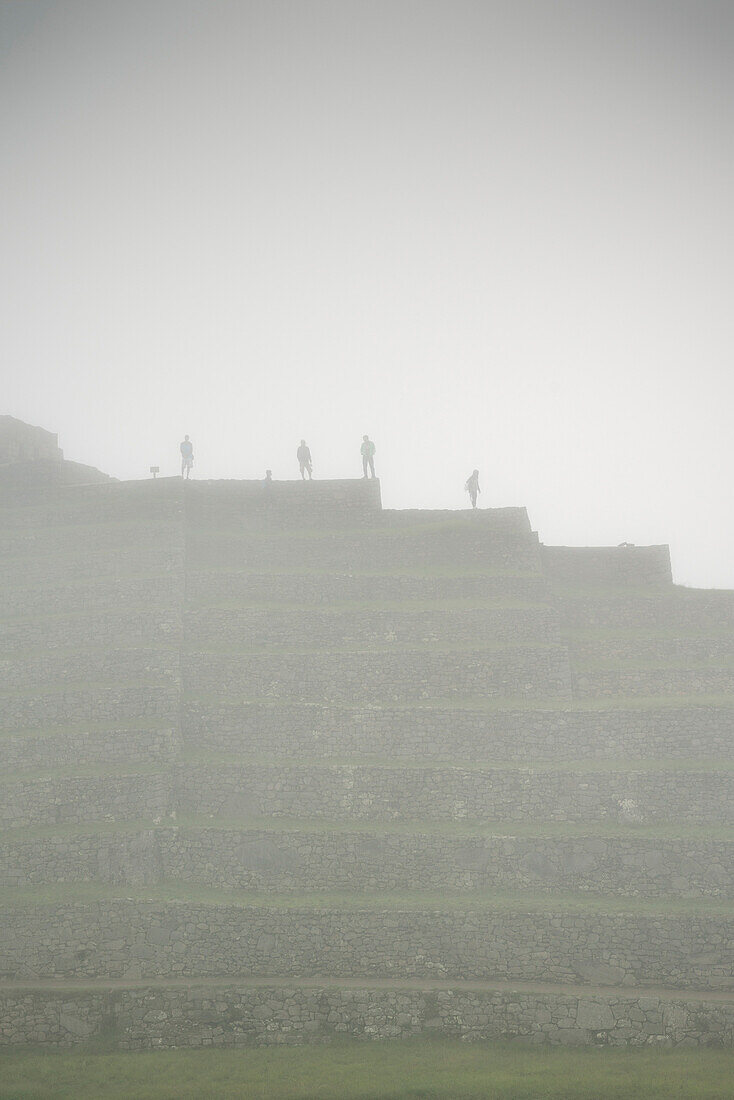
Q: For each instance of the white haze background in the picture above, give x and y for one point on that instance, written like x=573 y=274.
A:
x=488 y=234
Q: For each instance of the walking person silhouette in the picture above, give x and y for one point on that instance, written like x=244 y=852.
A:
x=187 y=456
x=472 y=487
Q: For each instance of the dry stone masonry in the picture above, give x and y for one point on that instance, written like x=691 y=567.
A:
x=278 y=765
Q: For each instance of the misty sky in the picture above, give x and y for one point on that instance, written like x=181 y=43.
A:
x=488 y=234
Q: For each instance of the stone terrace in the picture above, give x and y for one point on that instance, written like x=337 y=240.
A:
x=279 y=764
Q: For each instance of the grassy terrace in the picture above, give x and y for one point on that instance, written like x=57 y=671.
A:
x=641 y=664
x=191 y=759
x=409 y=647
x=84 y=771
x=414 y=572
x=86 y=612
x=342 y=607
x=337 y=608
x=105 y=580
x=62 y=687
x=152 y=649
x=195 y=757
x=420 y=1069
x=84 y=728
x=493 y=704
x=319 y=826
x=183 y=893
x=633 y=633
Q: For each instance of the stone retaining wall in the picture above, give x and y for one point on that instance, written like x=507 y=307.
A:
x=134 y=940
x=71 y=800
x=629 y=652
x=315 y=732
x=275 y=861
x=377 y=676
x=246 y=586
x=346 y=552
x=101 y=594
x=141 y=626
x=133 y=552
x=384 y=793
x=377 y=793
x=283 y=860
x=70 y=705
x=607 y=565
x=114 y=745
x=40 y=670
x=671 y=609
x=315 y=628
x=632 y=682
x=224 y=1016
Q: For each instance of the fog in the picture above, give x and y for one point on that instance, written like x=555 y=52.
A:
x=493 y=235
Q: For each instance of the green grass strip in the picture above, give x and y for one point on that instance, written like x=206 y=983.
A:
x=241 y=762
x=723 y=662
x=278 y=650
x=337 y=608
x=418 y=573
x=183 y=893
x=415 y=1069
x=116 y=770
x=493 y=704
x=315 y=826
x=145 y=725
x=61 y=687
x=677 y=633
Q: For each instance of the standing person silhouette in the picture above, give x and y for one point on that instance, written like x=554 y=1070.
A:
x=187 y=456
x=472 y=487
x=367 y=450
x=303 y=454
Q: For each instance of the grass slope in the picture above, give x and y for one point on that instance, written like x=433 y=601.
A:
x=428 y=1069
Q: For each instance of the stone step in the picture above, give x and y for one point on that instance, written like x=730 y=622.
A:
x=282 y=505
x=73 y=799
x=125 y=939
x=317 y=856
x=607 y=566
x=379 y=677
x=455 y=735
x=494 y=521
x=382 y=793
x=134 y=625
x=379 y=793
x=162 y=591
x=704 y=679
x=92 y=743
x=142 y=502
x=80 y=562
x=409 y=549
x=237 y=587
x=665 y=610
x=271 y=1011
x=71 y=704
x=363 y=626
x=44 y=668
x=633 y=652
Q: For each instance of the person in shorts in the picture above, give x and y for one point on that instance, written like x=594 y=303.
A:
x=303 y=454
x=187 y=456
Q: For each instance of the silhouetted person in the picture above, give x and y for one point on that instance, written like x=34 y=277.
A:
x=472 y=487
x=367 y=450
x=303 y=455
x=187 y=456
x=268 y=477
